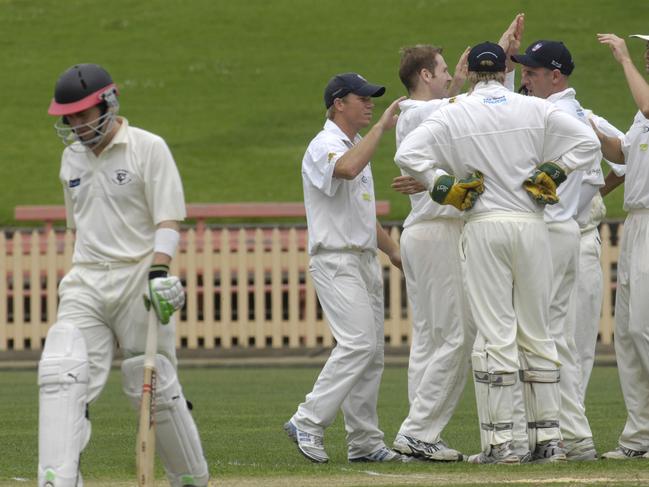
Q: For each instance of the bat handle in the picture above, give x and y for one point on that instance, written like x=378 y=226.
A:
x=151 y=340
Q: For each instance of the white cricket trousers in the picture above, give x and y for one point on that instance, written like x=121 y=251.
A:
x=564 y=245
x=349 y=285
x=632 y=328
x=104 y=301
x=505 y=261
x=589 y=304
x=442 y=329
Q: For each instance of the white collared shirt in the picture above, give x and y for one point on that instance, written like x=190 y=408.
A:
x=116 y=199
x=635 y=146
x=413 y=112
x=341 y=214
x=502 y=134
x=568 y=191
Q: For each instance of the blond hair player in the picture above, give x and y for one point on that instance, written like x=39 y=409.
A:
x=344 y=235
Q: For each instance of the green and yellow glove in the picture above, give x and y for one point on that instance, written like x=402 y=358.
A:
x=166 y=293
x=460 y=193
x=542 y=185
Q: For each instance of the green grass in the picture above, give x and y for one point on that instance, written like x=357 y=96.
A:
x=240 y=412
x=235 y=87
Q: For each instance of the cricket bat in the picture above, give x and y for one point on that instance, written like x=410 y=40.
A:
x=145 y=448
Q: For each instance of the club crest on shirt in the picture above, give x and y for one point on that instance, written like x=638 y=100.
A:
x=73 y=183
x=330 y=156
x=644 y=147
x=121 y=177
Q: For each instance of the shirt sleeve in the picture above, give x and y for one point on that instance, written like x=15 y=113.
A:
x=569 y=142
x=319 y=164
x=421 y=154
x=163 y=187
x=67 y=198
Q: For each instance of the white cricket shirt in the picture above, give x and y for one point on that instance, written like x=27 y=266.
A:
x=340 y=213
x=635 y=146
x=568 y=191
x=114 y=201
x=413 y=112
x=502 y=134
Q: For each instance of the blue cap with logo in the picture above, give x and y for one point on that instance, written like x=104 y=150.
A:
x=547 y=54
x=346 y=83
x=487 y=57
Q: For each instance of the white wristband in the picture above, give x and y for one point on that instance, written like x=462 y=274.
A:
x=166 y=241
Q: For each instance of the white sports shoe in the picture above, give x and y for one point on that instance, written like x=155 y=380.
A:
x=624 y=453
x=582 y=450
x=498 y=454
x=383 y=454
x=311 y=446
x=436 y=452
x=548 y=452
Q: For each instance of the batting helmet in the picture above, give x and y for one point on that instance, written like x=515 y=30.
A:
x=80 y=87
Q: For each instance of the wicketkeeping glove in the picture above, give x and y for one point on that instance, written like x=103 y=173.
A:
x=166 y=292
x=542 y=185
x=460 y=193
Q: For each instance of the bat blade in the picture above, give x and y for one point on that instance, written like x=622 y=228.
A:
x=145 y=445
x=145 y=456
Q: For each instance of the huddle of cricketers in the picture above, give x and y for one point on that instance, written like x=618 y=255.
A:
x=500 y=253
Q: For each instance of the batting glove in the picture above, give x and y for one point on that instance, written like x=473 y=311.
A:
x=165 y=292
x=460 y=193
x=542 y=185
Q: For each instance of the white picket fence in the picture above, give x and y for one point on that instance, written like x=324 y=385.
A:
x=246 y=288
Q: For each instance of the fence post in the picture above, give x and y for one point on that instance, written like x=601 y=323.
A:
x=4 y=318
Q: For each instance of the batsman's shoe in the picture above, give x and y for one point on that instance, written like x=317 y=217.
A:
x=311 y=446
x=436 y=452
x=501 y=454
x=582 y=450
x=383 y=454
x=624 y=453
x=548 y=452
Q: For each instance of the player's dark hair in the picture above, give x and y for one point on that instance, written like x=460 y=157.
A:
x=414 y=59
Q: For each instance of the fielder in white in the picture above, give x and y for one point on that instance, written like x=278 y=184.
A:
x=631 y=303
x=442 y=329
x=521 y=147
x=343 y=238
x=590 y=284
x=124 y=199
x=546 y=68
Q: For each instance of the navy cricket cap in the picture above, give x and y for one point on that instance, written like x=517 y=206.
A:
x=346 y=83
x=547 y=54
x=487 y=57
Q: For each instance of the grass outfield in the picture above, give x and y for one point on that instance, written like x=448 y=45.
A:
x=240 y=412
x=235 y=87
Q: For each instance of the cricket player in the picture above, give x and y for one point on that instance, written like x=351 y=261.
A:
x=124 y=199
x=631 y=303
x=546 y=68
x=343 y=238
x=442 y=329
x=522 y=148
x=590 y=283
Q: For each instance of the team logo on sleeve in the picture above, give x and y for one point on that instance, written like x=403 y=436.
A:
x=121 y=177
x=73 y=183
x=330 y=156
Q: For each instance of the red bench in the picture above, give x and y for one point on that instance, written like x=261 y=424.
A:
x=200 y=212
x=195 y=211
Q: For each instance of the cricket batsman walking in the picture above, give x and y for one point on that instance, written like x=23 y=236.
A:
x=124 y=198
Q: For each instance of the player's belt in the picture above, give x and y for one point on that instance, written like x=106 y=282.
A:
x=514 y=216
